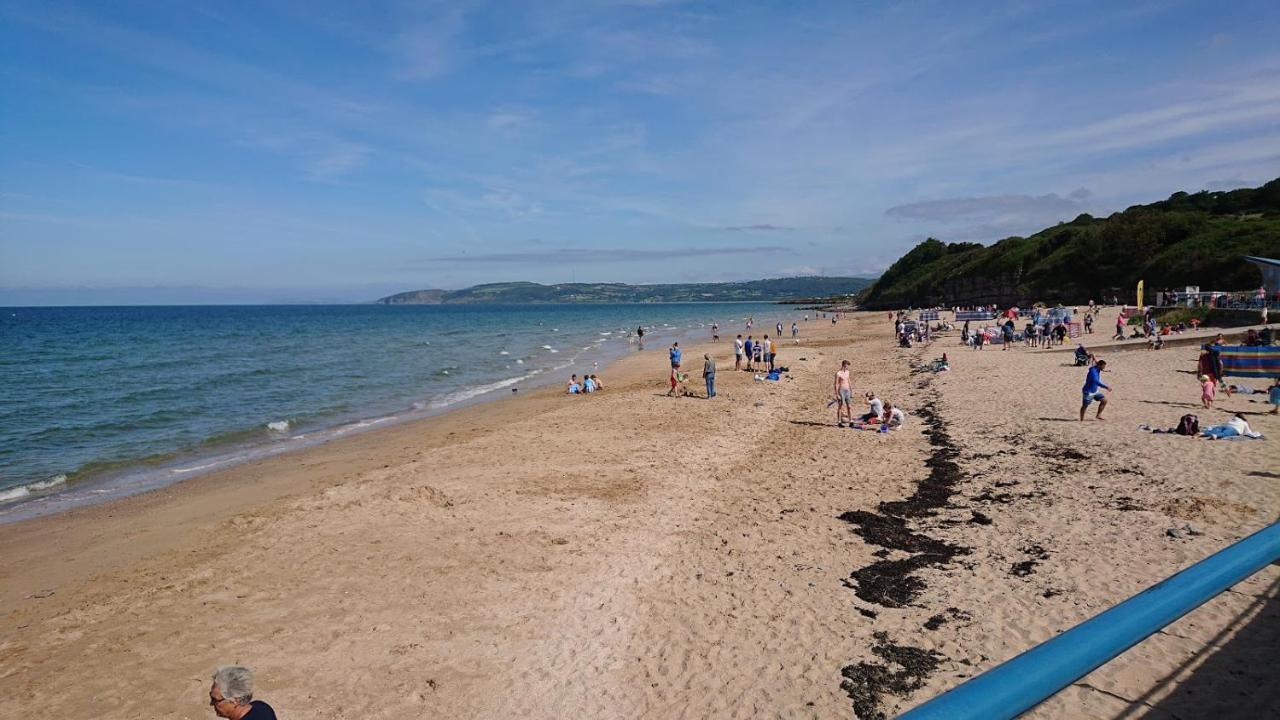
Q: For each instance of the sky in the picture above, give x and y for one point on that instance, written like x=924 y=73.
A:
x=160 y=152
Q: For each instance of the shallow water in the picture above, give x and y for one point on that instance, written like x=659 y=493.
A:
x=157 y=394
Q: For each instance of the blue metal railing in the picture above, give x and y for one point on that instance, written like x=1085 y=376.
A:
x=1019 y=684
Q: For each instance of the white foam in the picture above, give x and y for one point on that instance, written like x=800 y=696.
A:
x=519 y=361
x=278 y=425
x=464 y=395
x=194 y=468
x=17 y=493
x=503 y=352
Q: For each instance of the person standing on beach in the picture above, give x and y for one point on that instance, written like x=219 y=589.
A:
x=779 y=329
x=674 y=352
x=1092 y=389
x=640 y=335
x=709 y=374
x=737 y=353
x=749 y=348
x=844 y=394
x=768 y=353
x=715 y=332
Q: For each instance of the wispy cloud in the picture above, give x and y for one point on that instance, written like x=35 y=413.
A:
x=998 y=205
x=568 y=256
x=762 y=227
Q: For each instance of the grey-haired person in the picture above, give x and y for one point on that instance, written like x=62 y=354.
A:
x=231 y=695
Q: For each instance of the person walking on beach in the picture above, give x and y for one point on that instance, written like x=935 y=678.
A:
x=715 y=332
x=640 y=335
x=844 y=394
x=1208 y=389
x=1092 y=389
x=737 y=353
x=795 y=329
x=1119 y=327
x=709 y=374
x=674 y=352
x=231 y=695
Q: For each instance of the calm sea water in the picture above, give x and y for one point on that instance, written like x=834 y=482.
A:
x=107 y=401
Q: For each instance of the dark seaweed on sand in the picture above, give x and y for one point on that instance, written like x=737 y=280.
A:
x=892 y=583
x=867 y=682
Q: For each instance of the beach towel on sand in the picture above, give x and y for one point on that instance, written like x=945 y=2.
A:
x=1254 y=362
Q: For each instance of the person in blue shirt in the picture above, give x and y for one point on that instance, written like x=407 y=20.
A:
x=675 y=354
x=1092 y=390
x=749 y=347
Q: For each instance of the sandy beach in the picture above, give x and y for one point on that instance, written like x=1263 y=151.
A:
x=628 y=554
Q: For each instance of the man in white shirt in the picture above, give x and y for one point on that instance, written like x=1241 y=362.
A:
x=737 y=353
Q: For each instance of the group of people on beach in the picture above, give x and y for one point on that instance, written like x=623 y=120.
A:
x=588 y=384
x=880 y=413
x=756 y=353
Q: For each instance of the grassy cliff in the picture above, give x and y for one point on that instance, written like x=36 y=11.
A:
x=1189 y=239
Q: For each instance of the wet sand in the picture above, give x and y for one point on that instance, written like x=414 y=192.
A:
x=627 y=554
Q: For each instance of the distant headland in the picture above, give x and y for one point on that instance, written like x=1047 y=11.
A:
x=792 y=289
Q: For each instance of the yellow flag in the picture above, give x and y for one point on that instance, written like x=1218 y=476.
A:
x=1140 y=305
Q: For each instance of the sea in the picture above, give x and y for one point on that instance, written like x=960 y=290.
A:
x=102 y=402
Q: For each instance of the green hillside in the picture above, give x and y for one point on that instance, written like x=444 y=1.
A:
x=796 y=288
x=1189 y=239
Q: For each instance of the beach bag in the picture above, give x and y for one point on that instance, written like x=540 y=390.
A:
x=1188 y=425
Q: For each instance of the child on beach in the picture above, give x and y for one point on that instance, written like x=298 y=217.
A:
x=1273 y=396
x=1207 y=391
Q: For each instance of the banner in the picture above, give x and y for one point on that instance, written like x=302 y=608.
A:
x=1140 y=305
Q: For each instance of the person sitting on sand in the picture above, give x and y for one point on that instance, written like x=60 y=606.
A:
x=1083 y=357
x=1092 y=389
x=573 y=387
x=893 y=417
x=876 y=406
x=231 y=695
x=587 y=384
x=596 y=380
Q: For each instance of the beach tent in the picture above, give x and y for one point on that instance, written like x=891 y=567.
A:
x=927 y=315
x=1253 y=362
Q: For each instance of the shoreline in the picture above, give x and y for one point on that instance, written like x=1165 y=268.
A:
x=626 y=553
x=124 y=479
x=222 y=487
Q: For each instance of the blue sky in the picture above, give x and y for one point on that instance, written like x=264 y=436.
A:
x=245 y=152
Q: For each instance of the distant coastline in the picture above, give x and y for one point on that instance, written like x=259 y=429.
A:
x=791 y=290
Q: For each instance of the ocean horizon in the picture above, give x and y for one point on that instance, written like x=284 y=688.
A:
x=99 y=402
